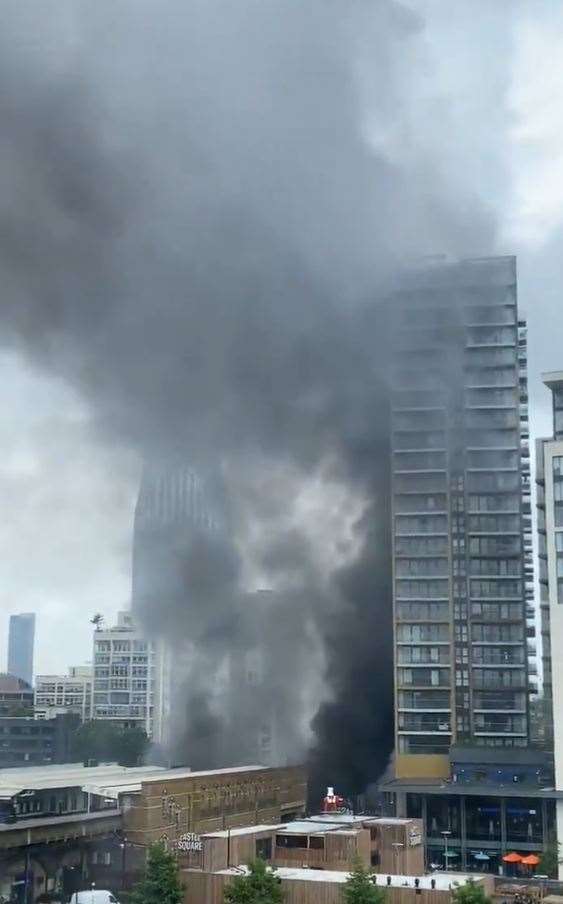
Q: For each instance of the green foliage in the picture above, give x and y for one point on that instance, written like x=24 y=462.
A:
x=470 y=893
x=131 y=745
x=101 y=740
x=550 y=860
x=359 y=889
x=260 y=886
x=17 y=709
x=93 y=741
x=161 y=883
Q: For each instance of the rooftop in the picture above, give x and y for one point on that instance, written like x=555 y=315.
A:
x=10 y=684
x=108 y=780
x=354 y=819
x=309 y=827
x=443 y=881
x=552 y=378
x=71 y=775
x=243 y=830
x=335 y=823
x=441 y=786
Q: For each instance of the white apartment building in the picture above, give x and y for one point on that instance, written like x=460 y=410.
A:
x=124 y=675
x=549 y=465
x=56 y=694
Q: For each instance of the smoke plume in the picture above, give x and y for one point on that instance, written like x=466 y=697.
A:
x=200 y=213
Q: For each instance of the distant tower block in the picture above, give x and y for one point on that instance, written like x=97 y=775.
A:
x=21 y=640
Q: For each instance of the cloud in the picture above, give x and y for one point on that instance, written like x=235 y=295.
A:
x=67 y=503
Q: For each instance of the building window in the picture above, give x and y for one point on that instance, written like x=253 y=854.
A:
x=494 y=524
x=424 y=744
x=495 y=566
x=494 y=503
x=422 y=611
x=264 y=848
x=421 y=524
x=421 y=633
x=499 y=589
x=422 y=589
x=423 y=567
x=494 y=612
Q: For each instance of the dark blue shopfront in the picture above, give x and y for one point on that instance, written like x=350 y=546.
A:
x=494 y=803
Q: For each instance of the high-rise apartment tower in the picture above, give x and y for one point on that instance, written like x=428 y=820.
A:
x=461 y=513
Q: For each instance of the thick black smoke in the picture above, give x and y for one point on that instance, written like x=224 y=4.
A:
x=195 y=231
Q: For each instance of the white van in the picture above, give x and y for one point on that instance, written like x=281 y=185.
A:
x=93 y=896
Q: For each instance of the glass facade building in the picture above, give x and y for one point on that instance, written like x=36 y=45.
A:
x=21 y=640
x=461 y=511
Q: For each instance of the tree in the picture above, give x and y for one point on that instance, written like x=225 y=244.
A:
x=94 y=741
x=359 y=889
x=17 y=709
x=161 y=883
x=101 y=740
x=550 y=859
x=130 y=746
x=470 y=893
x=260 y=886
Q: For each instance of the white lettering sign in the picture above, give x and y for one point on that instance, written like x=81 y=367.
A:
x=190 y=842
x=414 y=837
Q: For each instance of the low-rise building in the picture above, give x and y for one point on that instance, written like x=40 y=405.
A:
x=74 y=824
x=16 y=696
x=24 y=741
x=328 y=842
x=494 y=802
x=309 y=886
x=64 y=693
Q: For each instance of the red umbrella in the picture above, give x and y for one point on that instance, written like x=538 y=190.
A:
x=512 y=858
x=531 y=860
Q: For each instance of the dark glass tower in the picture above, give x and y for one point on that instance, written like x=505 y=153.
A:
x=21 y=639
x=172 y=507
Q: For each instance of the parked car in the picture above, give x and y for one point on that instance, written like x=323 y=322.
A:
x=93 y=896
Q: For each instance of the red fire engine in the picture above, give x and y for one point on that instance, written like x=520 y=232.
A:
x=332 y=803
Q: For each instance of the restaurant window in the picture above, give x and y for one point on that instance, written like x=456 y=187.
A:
x=264 y=848
x=317 y=842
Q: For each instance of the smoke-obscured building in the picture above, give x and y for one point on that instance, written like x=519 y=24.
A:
x=21 y=639
x=258 y=705
x=173 y=506
x=64 y=693
x=123 y=684
x=461 y=513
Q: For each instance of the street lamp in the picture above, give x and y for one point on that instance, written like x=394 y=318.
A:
x=123 y=846
x=397 y=845
x=446 y=833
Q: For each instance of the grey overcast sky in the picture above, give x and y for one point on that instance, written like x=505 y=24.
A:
x=487 y=106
